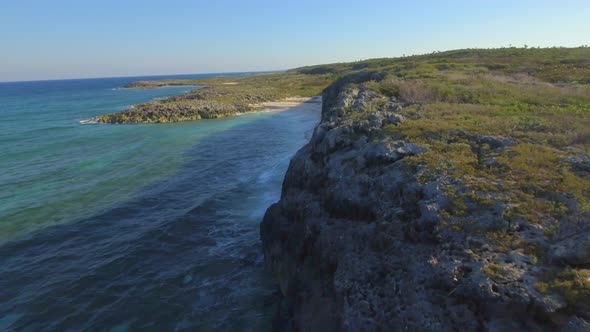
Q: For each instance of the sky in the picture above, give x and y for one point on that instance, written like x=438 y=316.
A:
x=60 y=39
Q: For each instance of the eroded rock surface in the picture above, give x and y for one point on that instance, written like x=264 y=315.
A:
x=357 y=242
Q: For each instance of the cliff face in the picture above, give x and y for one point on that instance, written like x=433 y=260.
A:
x=361 y=240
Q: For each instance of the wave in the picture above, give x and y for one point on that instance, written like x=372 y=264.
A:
x=89 y=121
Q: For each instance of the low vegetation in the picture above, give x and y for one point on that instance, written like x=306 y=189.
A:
x=503 y=124
x=573 y=284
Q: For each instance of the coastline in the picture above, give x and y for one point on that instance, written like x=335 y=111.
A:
x=418 y=202
x=223 y=97
x=289 y=102
x=270 y=106
x=184 y=198
x=285 y=105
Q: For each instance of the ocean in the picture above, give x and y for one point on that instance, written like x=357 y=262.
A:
x=135 y=227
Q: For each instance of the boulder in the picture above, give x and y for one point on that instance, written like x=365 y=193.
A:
x=580 y=162
x=574 y=250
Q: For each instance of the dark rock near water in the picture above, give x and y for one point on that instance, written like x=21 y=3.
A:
x=356 y=242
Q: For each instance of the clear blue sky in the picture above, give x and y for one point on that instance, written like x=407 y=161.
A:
x=46 y=39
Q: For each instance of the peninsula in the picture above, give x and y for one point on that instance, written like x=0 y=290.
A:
x=222 y=97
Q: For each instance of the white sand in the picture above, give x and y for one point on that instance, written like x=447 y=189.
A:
x=290 y=102
x=313 y=103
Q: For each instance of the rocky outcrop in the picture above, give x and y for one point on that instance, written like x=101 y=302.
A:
x=219 y=97
x=574 y=250
x=170 y=111
x=356 y=242
x=159 y=84
x=176 y=109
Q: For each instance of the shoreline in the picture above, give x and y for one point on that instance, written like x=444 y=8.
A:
x=289 y=102
x=223 y=97
x=279 y=105
x=284 y=105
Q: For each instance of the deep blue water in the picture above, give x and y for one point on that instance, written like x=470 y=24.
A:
x=135 y=227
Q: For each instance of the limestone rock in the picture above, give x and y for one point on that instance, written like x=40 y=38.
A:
x=357 y=242
x=574 y=250
x=580 y=162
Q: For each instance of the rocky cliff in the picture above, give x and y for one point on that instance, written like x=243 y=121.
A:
x=367 y=237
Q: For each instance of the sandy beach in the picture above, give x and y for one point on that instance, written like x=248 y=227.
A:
x=290 y=102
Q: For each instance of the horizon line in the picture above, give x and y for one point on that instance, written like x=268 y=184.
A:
x=525 y=46
x=136 y=76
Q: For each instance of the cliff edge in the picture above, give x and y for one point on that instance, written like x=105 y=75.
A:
x=417 y=209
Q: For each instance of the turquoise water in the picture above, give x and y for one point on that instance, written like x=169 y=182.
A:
x=55 y=170
x=134 y=227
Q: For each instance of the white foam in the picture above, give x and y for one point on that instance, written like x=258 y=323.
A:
x=89 y=121
x=267 y=175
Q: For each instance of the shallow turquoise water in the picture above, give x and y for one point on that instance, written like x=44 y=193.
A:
x=55 y=170
x=135 y=227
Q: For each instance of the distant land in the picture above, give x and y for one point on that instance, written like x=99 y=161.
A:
x=220 y=97
x=446 y=191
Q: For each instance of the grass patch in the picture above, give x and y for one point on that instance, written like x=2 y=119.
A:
x=573 y=284
x=494 y=271
x=534 y=103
